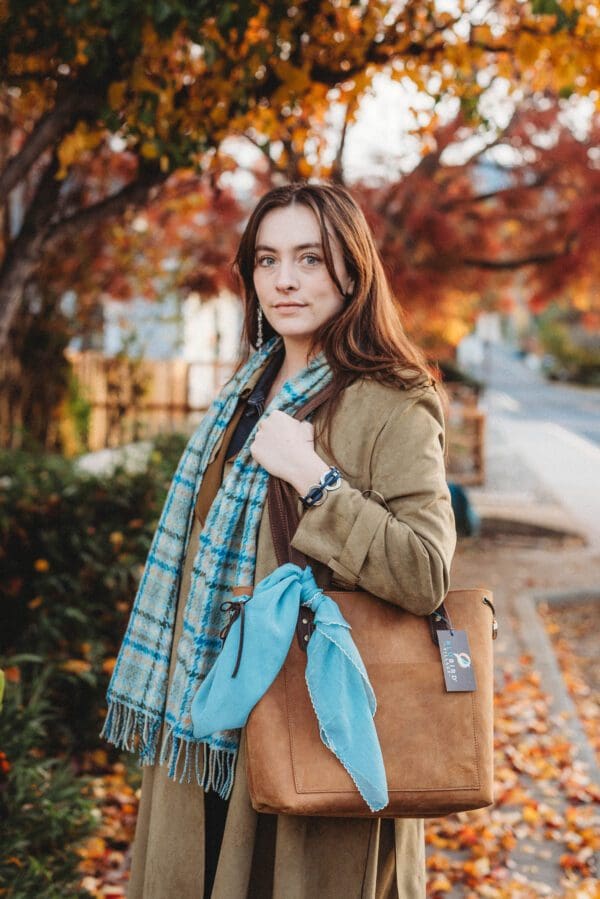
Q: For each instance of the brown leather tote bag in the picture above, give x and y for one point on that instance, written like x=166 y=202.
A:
x=437 y=746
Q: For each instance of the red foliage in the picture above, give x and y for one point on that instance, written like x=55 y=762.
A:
x=455 y=238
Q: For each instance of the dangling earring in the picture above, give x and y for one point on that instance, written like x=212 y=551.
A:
x=259 y=336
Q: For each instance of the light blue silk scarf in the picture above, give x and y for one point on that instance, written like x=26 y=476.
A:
x=337 y=681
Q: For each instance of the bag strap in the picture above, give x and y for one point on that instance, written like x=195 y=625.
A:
x=281 y=497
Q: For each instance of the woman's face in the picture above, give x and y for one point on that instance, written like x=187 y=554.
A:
x=291 y=280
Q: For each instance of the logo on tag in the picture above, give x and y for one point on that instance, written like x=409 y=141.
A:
x=456 y=661
x=463 y=659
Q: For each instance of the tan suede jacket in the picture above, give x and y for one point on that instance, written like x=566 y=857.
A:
x=383 y=439
x=397 y=541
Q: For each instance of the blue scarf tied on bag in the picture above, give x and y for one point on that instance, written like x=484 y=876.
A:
x=337 y=681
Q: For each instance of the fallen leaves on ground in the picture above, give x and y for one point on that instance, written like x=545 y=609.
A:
x=104 y=857
x=571 y=628
x=547 y=811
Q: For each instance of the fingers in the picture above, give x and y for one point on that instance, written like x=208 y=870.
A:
x=283 y=420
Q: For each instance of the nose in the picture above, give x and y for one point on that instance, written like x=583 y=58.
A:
x=287 y=279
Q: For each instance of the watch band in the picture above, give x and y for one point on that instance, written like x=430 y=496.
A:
x=317 y=494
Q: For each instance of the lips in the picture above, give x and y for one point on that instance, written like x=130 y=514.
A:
x=290 y=305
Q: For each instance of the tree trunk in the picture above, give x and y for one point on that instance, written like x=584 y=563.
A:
x=23 y=253
x=46 y=134
x=41 y=229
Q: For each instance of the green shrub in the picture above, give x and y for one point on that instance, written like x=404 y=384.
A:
x=72 y=548
x=575 y=352
x=44 y=806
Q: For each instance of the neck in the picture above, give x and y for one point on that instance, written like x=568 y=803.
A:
x=296 y=358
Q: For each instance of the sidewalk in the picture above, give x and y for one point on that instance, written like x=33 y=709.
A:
x=514 y=498
x=536 y=841
x=558 y=484
x=552 y=465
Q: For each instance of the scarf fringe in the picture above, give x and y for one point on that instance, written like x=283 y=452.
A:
x=213 y=769
x=129 y=729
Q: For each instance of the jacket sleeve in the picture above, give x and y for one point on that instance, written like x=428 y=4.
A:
x=402 y=555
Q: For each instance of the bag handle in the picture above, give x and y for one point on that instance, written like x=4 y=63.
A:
x=281 y=497
x=284 y=519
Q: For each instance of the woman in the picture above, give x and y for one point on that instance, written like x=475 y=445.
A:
x=318 y=311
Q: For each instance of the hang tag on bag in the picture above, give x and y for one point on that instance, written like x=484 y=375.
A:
x=456 y=661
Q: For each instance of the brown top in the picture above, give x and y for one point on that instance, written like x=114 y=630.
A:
x=213 y=476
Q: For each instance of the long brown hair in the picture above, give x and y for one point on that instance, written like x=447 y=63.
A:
x=367 y=338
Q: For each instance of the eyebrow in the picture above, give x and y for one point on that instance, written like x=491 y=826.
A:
x=301 y=246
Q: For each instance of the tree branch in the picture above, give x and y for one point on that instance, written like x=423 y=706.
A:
x=508 y=264
x=337 y=170
x=40 y=233
x=22 y=255
x=264 y=149
x=48 y=129
x=133 y=194
x=456 y=202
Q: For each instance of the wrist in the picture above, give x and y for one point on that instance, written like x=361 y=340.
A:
x=310 y=475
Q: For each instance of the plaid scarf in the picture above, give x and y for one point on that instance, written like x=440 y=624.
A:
x=138 y=704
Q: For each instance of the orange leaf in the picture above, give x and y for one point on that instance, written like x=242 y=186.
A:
x=76 y=666
x=108 y=665
x=12 y=674
x=441 y=884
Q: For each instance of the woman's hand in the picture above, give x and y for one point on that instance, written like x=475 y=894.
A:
x=284 y=446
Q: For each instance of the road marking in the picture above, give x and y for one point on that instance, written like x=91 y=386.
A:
x=504 y=401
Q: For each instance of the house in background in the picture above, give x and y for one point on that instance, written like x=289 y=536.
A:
x=192 y=329
x=210 y=343
x=155 y=366
x=203 y=334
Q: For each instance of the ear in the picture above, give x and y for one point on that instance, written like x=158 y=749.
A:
x=349 y=289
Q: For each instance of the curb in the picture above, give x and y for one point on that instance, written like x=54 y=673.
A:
x=540 y=647
x=513 y=525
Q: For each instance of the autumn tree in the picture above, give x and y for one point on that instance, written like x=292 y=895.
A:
x=168 y=81
x=454 y=236
x=457 y=236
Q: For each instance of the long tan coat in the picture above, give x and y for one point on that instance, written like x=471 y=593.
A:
x=386 y=440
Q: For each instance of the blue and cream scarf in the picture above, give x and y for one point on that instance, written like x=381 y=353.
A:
x=138 y=703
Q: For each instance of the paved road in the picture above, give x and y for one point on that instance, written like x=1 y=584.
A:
x=522 y=394
x=554 y=430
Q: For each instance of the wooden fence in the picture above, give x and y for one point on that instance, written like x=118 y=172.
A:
x=465 y=435
x=137 y=399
